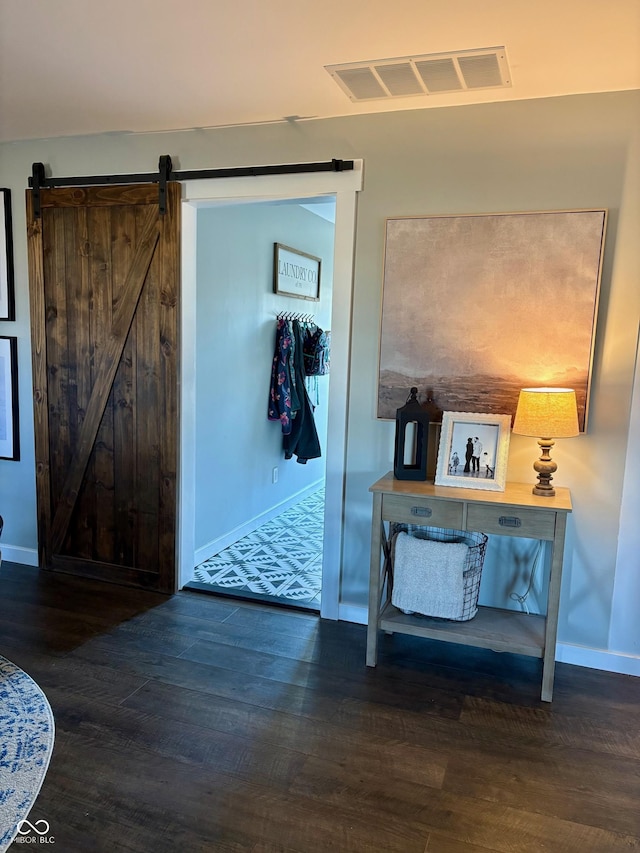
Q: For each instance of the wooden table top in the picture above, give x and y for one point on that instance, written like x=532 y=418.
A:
x=515 y=494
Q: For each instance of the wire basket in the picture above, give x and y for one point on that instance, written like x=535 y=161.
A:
x=474 y=560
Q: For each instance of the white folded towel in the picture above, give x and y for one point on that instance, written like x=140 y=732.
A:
x=428 y=576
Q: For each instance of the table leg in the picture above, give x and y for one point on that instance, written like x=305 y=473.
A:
x=374 y=581
x=553 y=604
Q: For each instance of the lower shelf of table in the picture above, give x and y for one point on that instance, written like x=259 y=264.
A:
x=491 y=628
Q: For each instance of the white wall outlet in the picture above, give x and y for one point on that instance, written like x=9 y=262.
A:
x=274 y=475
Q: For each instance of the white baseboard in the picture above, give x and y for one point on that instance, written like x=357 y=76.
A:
x=227 y=539
x=598 y=659
x=18 y=554
x=353 y=613
x=565 y=652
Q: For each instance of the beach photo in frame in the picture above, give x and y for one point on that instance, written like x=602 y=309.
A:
x=473 y=450
x=296 y=273
x=476 y=307
x=9 y=432
x=7 y=298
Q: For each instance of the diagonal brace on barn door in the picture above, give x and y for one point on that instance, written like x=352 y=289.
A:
x=105 y=375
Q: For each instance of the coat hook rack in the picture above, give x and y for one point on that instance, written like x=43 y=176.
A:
x=295 y=315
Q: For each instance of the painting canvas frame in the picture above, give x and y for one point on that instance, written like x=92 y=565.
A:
x=7 y=294
x=493 y=432
x=296 y=273
x=9 y=424
x=477 y=306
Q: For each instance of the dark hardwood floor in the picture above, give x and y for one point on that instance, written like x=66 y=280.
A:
x=194 y=723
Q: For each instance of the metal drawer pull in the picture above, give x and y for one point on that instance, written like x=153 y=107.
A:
x=423 y=511
x=509 y=521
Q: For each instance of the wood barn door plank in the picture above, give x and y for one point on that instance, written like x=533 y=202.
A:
x=39 y=373
x=113 y=348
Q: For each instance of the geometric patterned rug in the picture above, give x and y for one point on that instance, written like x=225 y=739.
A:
x=280 y=562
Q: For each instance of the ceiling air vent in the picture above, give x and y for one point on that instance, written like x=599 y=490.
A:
x=439 y=75
x=360 y=83
x=431 y=74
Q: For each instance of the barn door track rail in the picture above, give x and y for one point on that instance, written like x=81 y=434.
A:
x=165 y=173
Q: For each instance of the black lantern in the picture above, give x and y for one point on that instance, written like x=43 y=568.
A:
x=411 y=413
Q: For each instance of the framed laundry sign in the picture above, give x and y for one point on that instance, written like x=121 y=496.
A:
x=296 y=273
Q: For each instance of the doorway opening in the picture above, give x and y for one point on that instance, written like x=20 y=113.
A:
x=259 y=516
x=280 y=562
x=341 y=189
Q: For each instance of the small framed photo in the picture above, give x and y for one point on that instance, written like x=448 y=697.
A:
x=473 y=451
x=7 y=299
x=9 y=432
x=296 y=273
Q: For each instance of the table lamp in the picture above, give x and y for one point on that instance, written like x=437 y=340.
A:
x=546 y=412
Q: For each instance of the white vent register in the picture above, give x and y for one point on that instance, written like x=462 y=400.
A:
x=430 y=74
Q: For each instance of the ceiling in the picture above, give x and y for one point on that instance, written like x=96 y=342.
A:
x=70 y=67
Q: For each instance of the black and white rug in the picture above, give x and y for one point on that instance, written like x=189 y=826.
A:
x=279 y=562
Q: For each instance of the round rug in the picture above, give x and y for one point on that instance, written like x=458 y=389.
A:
x=26 y=743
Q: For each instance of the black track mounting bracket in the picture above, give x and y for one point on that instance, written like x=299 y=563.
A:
x=164 y=168
x=38 y=179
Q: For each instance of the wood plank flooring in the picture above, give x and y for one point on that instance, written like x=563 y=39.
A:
x=195 y=723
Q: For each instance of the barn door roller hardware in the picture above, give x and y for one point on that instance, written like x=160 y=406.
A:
x=38 y=180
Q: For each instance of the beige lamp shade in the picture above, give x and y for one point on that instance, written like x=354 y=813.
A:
x=547 y=412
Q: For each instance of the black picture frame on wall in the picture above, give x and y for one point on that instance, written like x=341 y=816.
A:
x=7 y=295
x=9 y=422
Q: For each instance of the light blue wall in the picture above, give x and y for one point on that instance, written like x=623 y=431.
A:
x=557 y=153
x=236 y=446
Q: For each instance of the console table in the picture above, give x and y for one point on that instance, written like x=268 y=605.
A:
x=514 y=512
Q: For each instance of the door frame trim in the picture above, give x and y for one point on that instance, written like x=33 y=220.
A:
x=344 y=186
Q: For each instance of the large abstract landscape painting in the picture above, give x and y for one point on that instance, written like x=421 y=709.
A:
x=477 y=307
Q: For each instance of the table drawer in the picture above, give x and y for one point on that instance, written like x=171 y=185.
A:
x=424 y=511
x=512 y=521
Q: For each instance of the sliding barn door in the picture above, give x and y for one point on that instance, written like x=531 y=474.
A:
x=104 y=283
